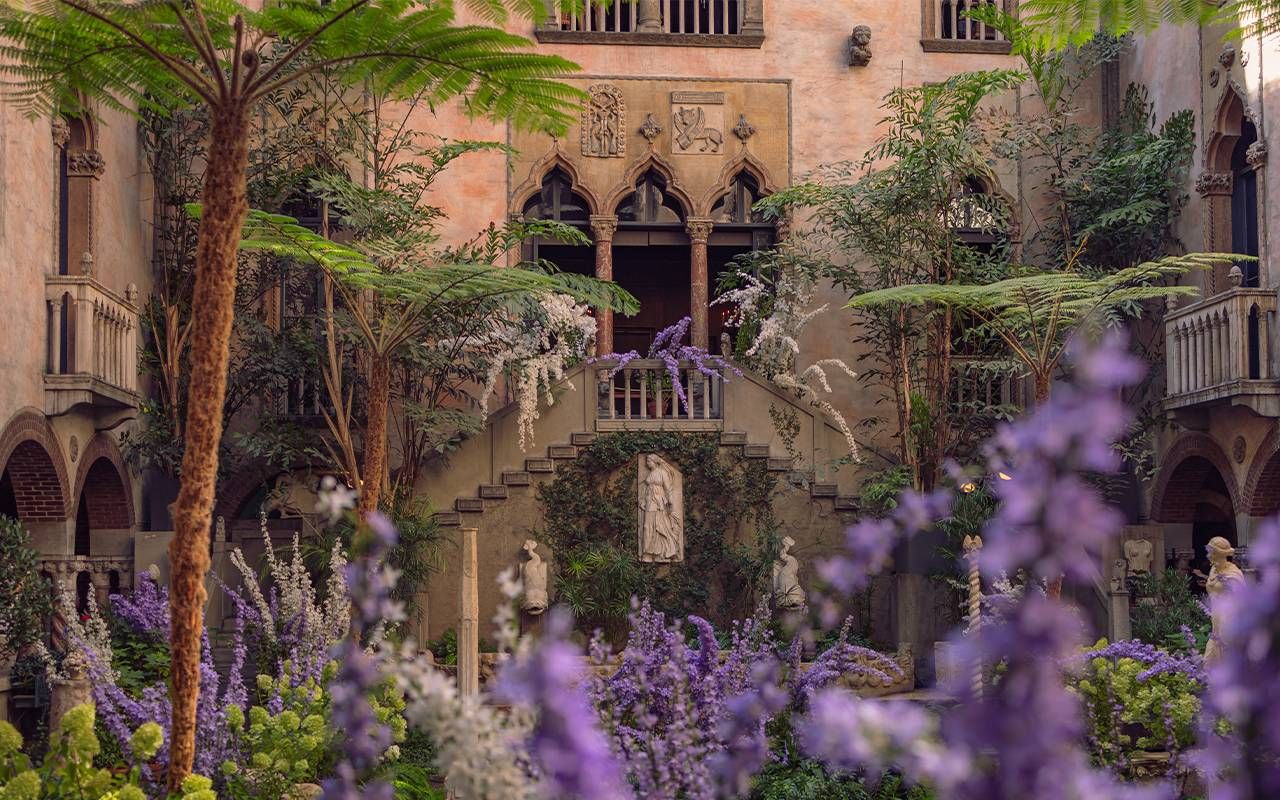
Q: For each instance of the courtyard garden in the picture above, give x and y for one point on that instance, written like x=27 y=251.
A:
x=675 y=625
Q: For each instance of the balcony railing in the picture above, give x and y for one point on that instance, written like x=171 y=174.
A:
x=948 y=27
x=643 y=395
x=1217 y=349
x=92 y=342
x=718 y=22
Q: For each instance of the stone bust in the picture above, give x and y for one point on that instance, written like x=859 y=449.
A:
x=1138 y=552
x=860 y=46
x=533 y=574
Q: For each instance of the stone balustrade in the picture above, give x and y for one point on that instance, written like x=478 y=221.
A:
x=1218 y=347
x=643 y=394
x=663 y=18
x=92 y=337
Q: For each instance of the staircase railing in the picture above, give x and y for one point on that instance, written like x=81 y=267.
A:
x=645 y=392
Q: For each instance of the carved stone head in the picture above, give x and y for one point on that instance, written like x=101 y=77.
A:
x=862 y=35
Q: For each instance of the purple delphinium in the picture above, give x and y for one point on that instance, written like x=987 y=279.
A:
x=1241 y=758
x=370 y=583
x=668 y=349
x=568 y=749
x=1156 y=660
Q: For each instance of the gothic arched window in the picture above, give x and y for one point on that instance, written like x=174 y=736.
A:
x=651 y=203
x=737 y=205
x=557 y=201
x=1244 y=202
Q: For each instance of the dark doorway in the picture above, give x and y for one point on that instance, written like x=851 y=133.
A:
x=83 y=536
x=658 y=276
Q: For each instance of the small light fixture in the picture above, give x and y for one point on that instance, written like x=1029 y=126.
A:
x=969 y=487
x=1004 y=476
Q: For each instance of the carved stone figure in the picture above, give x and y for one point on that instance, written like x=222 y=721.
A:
x=1138 y=552
x=787 y=592
x=533 y=574
x=692 y=130
x=860 y=46
x=744 y=130
x=604 y=122
x=1223 y=577
x=661 y=506
x=650 y=129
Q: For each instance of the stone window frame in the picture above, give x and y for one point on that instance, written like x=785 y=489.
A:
x=932 y=42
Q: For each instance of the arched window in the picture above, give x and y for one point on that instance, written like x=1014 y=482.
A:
x=1244 y=202
x=557 y=201
x=79 y=167
x=737 y=205
x=650 y=203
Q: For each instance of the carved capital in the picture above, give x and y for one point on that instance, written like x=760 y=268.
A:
x=699 y=230
x=61 y=132
x=86 y=163
x=1256 y=155
x=603 y=226
x=1211 y=183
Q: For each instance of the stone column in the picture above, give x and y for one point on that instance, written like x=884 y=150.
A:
x=603 y=226
x=1215 y=188
x=469 y=618
x=649 y=17
x=699 y=231
x=753 y=18
x=71 y=691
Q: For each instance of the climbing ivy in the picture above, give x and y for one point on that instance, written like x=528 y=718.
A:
x=591 y=523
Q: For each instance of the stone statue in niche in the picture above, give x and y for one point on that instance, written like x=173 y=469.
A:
x=860 y=46
x=1223 y=577
x=661 y=507
x=692 y=130
x=787 y=592
x=533 y=574
x=1138 y=552
x=604 y=133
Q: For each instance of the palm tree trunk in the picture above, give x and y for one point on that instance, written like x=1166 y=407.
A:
x=375 y=435
x=212 y=308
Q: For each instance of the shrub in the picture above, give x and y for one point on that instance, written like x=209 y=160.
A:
x=1167 y=609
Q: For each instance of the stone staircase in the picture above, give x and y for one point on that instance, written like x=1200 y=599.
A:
x=537 y=470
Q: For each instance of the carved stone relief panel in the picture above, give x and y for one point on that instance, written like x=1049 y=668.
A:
x=697 y=123
x=604 y=119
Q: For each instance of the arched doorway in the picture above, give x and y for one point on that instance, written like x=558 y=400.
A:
x=1196 y=496
x=103 y=503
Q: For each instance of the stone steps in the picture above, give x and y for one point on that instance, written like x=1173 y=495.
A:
x=517 y=478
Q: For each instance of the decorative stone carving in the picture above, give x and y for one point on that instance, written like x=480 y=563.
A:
x=1223 y=577
x=699 y=230
x=1227 y=57
x=86 y=263
x=1239 y=448
x=86 y=162
x=1214 y=183
x=661 y=510
x=604 y=122
x=787 y=592
x=860 y=46
x=650 y=128
x=61 y=131
x=1214 y=77
x=74 y=447
x=744 y=130
x=1235 y=275
x=220 y=528
x=697 y=123
x=1256 y=155
x=1244 y=58
x=533 y=574
x=1119 y=569
x=131 y=293
x=1138 y=552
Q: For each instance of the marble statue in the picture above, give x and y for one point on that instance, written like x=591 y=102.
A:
x=1223 y=577
x=661 y=506
x=533 y=574
x=787 y=592
x=1138 y=552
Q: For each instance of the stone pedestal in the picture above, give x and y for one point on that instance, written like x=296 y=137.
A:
x=469 y=618
x=71 y=691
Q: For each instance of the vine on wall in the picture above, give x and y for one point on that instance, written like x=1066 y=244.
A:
x=731 y=532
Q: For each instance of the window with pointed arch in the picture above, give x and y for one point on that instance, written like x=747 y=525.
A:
x=651 y=203
x=557 y=201
x=1244 y=203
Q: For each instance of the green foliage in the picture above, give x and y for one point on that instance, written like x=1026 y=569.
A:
x=445 y=648
x=413 y=782
x=68 y=771
x=590 y=518
x=1163 y=707
x=1057 y=22
x=24 y=595
x=416 y=554
x=140 y=659
x=879 y=491
x=296 y=745
x=810 y=780
x=1165 y=605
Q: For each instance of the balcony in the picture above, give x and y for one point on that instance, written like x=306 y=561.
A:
x=948 y=29
x=643 y=396
x=92 y=345
x=680 y=23
x=1216 y=352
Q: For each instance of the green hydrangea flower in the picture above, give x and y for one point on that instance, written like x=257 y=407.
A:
x=23 y=786
x=10 y=739
x=146 y=741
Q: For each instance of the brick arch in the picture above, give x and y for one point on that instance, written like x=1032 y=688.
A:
x=1262 y=485
x=236 y=491
x=30 y=453
x=103 y=481
x=1186 y=466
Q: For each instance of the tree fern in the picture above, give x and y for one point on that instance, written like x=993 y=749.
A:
x=1062 y=21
